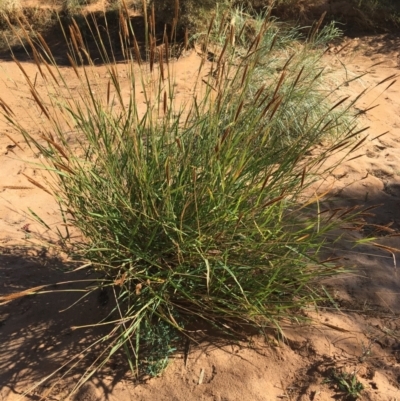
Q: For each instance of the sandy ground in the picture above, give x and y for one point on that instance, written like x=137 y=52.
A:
x=362 y=337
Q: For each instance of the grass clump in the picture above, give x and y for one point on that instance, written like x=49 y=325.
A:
x=193 y=211
x=348 y=384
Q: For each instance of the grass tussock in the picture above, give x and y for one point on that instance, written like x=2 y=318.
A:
x=193 y=211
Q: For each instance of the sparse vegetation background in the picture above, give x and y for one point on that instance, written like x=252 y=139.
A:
x=354 y=15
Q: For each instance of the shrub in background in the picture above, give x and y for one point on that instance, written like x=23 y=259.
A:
x=355 y=14
x=7 y=6
x=9 y=9
x=191 y=14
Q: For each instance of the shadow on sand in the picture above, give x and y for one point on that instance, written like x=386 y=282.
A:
x=100 y=32
x=36 y=337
